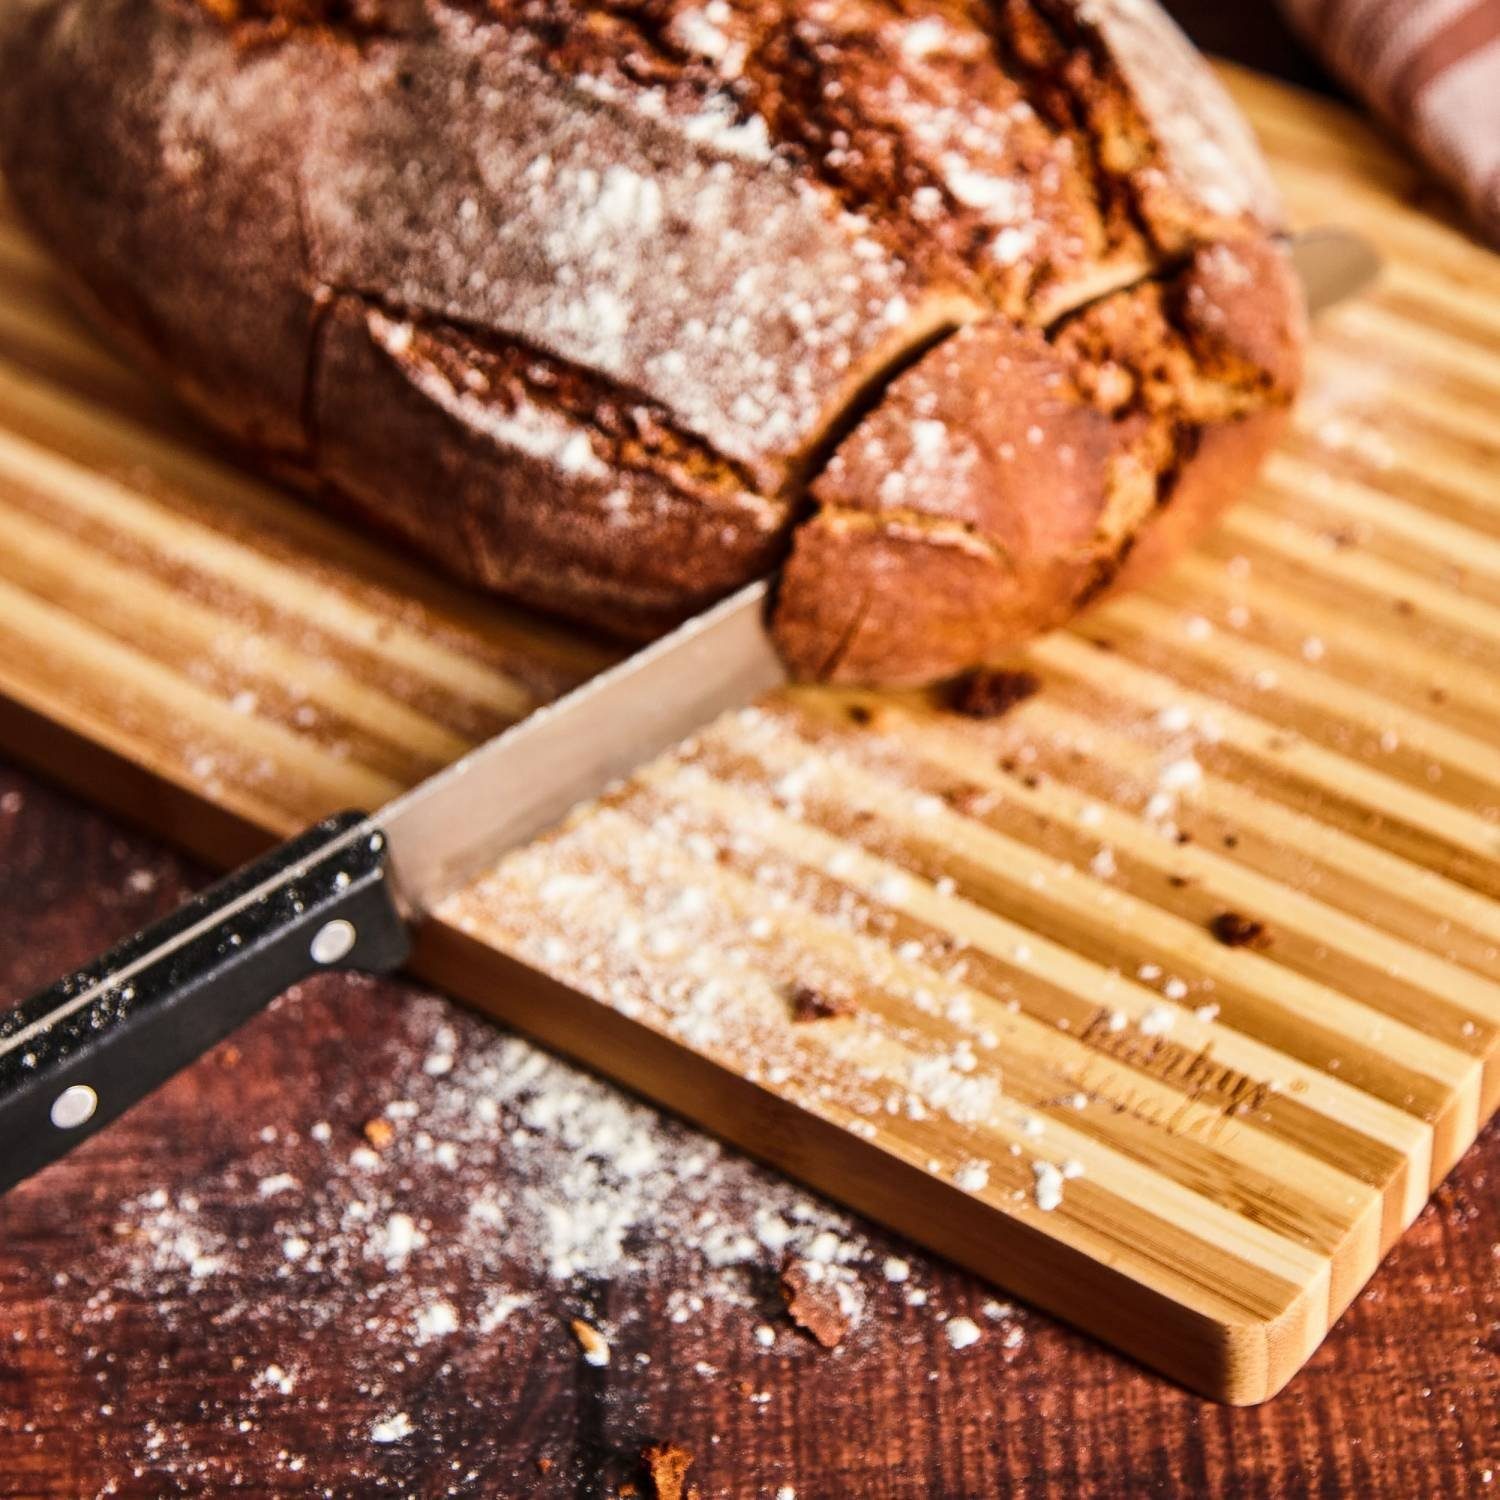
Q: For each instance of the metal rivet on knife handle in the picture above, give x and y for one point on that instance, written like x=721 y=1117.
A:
x=334 y=940
x=74 y=1106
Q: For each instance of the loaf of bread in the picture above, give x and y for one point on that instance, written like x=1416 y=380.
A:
x=958 y=313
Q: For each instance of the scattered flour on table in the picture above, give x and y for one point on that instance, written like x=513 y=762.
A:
x=541 y=1165
x=511 y=1186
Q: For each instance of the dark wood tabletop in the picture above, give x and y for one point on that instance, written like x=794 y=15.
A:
x=344 y=1255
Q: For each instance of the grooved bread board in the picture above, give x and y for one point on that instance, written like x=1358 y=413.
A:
x=1043 y=1062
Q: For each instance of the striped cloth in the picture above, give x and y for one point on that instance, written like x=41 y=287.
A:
x=1432 y=68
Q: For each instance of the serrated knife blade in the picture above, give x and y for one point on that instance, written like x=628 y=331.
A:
x=448 y=829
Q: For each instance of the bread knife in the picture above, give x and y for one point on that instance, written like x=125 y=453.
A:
x=348 y=893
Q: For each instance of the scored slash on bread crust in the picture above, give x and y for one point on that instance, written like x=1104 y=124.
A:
x=964 y=310
x=1009 y=477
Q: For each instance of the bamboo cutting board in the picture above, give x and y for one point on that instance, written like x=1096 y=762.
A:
x=1163 y=1001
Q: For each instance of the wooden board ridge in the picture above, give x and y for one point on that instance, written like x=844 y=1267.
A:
x=1163 y=1001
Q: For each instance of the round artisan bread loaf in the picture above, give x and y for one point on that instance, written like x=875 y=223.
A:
x=958 y=312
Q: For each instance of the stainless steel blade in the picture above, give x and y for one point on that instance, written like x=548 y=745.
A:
x=1332 y=265
x=456 y=823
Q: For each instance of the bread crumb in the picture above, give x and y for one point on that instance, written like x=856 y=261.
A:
x=1235 y=930
x=809 y=1004
x=379 y=1132
x=813 y=1303
x=667 y=1464
x=990 y=692
x=593 y=1343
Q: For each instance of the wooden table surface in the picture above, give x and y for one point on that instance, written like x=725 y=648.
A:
x=185 y=1314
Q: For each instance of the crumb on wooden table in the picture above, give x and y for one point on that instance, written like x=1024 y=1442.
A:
x=667 y=1464
x=593 y=1343
x=813 y=1303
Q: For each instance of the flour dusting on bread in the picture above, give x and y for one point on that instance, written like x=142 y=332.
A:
x=964 y=314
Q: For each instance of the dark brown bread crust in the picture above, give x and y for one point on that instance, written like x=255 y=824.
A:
x=612 y=308
x=190 y=244
x=609 y=506
x=1009 y=478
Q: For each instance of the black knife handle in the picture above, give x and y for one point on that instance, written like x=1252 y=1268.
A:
x=77 y=1055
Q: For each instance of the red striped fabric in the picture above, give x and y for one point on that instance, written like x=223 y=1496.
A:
x=1432 y=68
